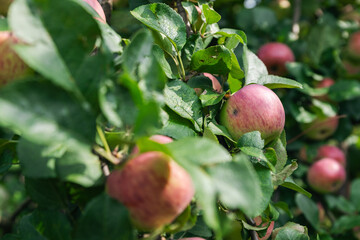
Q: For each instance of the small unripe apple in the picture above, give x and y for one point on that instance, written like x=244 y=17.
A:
x=12 y=66
x=153 y=187
x=320 y=128
x=326 y=175
x=275 y=56
x=97 y=7
x=354 y=45
x=4 y=6
x=328 y=151
x=253 y=108
x=156 y=138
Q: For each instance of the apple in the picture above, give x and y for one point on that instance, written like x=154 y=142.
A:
x=97 y=7
x=326 y=175
x=215 y=84
x=11 y=65
x=153 y=187
x=328 y=151
x=275 y=56
x=354 y=45
x=351 y=68
x=4 y=6
x=320 y=128
x=258 y=222
x=156 y=138
x=253 y=108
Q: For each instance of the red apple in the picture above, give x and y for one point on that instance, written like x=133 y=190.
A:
x=97 y=7
x=275 y=56
x=320 y=128
x=11 y=65
x=328 y=151
x=253 y=108
x=4 y=6
x=326 y=175
x=153 y=187
x=354 y=45
x=156 y=138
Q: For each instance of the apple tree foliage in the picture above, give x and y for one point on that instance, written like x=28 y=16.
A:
x=97 y=90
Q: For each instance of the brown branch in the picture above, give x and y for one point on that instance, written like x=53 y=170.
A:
x=253 y=233
x=182 y=12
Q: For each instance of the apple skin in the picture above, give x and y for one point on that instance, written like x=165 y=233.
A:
x=320 y=129
x=326 y=175
x=97 y=7
x=156 y=138
x=12 y=66
x=328 y=151
x=253 y=108
x=325 y=83
x=153 y=187
x=4 y=6
x=275 y=56
x=354 y=45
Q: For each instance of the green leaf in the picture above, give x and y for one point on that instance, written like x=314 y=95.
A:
x=267 y=188
x=7 y=154
x=309 y=209
x=280 y=177
x=291 y=234
x=259 y=156
x=236 y=72
x=238 y=34
x=211 y=98
x=176 y=127
x=211 y=16
x=251 y=139
x=272 y=82
x=193 y=44
x=191 y=11
x=183 y=100
x=293 y=186
x=111 y=38
x=254 y=68
x=104 y=218
x=161 y=18
x=344 y=90
x=42 y=26
x=219 y=130
x=345 y=223
x=215 y=59
x=199 y=151
x=355 y=193
x=45 y=224
x=340 y=203
x=48 y=193
x=238 y=185
x=281 y=154
x=200 y=82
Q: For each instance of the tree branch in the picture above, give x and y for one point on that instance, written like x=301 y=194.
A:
x=182 y=12
x=107 y=7
x=253 y=233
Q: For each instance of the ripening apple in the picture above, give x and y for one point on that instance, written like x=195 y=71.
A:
x=326 y=175
x=153 y=187
x=320 y=128
x=97 y=7
x=275 y=56
x=253 y=108
x=12 y=66
x=354 y=45
x=156 y=138
x=328 y=151
x=4 y=6
x=325 y=83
